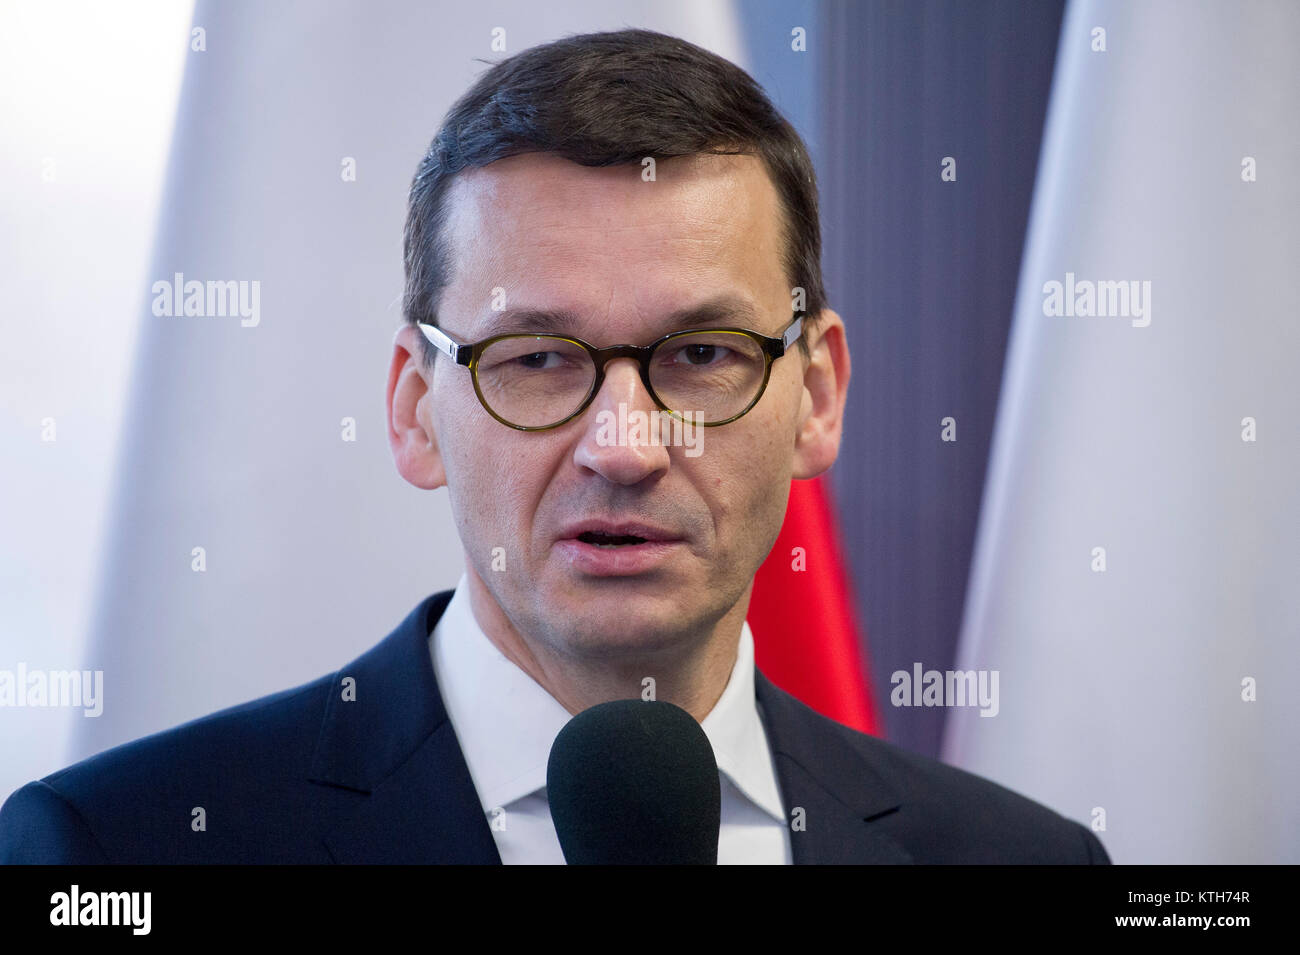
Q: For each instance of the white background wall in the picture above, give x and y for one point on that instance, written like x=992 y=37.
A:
x=88 y=95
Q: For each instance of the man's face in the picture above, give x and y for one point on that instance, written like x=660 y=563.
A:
x=620 y=254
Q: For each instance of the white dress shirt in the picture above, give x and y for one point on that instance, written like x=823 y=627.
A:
x=505 y=724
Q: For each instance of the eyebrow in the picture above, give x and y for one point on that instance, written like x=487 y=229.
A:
x=724 y=311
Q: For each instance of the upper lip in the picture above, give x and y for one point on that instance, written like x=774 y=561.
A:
x=617 y=528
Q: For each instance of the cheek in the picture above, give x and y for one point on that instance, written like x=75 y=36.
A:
x=766 y=470
x=787 y=400
x=495 y=477
x=470 y=458
x=475 y=479
x=748 y=488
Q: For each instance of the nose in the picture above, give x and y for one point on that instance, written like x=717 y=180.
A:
x=620 y=438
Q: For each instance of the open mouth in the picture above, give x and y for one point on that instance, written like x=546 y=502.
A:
x=618 y=548
x=610 y=540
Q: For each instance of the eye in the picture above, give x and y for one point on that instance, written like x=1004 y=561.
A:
x=536 y=360
x=700 y=354
x=540 y=361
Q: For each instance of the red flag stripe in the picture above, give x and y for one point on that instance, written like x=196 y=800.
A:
x=806 y=636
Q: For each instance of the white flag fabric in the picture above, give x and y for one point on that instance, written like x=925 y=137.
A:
x=1136 y=580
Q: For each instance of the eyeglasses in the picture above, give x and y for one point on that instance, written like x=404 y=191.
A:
x=536 y=382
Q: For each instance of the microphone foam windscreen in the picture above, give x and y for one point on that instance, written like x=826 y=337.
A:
x=634 y=782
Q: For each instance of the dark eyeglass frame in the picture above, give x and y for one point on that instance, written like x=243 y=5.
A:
x=468 y=354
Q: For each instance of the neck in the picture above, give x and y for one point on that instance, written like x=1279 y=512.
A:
x=692 y=676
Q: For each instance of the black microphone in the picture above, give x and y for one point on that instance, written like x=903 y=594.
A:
x=634 y=782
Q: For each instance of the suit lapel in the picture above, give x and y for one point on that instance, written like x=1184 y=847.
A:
x=394 y=743
x=841 y=794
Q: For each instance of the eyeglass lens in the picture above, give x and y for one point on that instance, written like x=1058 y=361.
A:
x=535 y=381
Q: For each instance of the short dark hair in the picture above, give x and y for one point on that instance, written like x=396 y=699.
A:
x=606 y=99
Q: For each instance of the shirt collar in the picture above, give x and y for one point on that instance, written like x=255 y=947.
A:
x=507 y=747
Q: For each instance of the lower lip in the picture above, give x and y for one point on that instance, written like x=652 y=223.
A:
x=622 y=561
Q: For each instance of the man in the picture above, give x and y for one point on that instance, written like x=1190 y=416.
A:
x=611 y=228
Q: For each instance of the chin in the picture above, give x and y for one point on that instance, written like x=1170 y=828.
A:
x=621 y=621
x=623 y=641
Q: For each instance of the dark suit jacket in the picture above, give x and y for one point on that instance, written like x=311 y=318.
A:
x=303 y=776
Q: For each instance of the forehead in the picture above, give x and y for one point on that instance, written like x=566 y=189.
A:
x=609 y=247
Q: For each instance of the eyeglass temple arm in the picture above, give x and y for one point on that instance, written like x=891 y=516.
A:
x=792 y=333
x=454 y=350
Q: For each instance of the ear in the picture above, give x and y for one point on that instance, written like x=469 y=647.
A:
x=411 y=434
x=825 y=390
